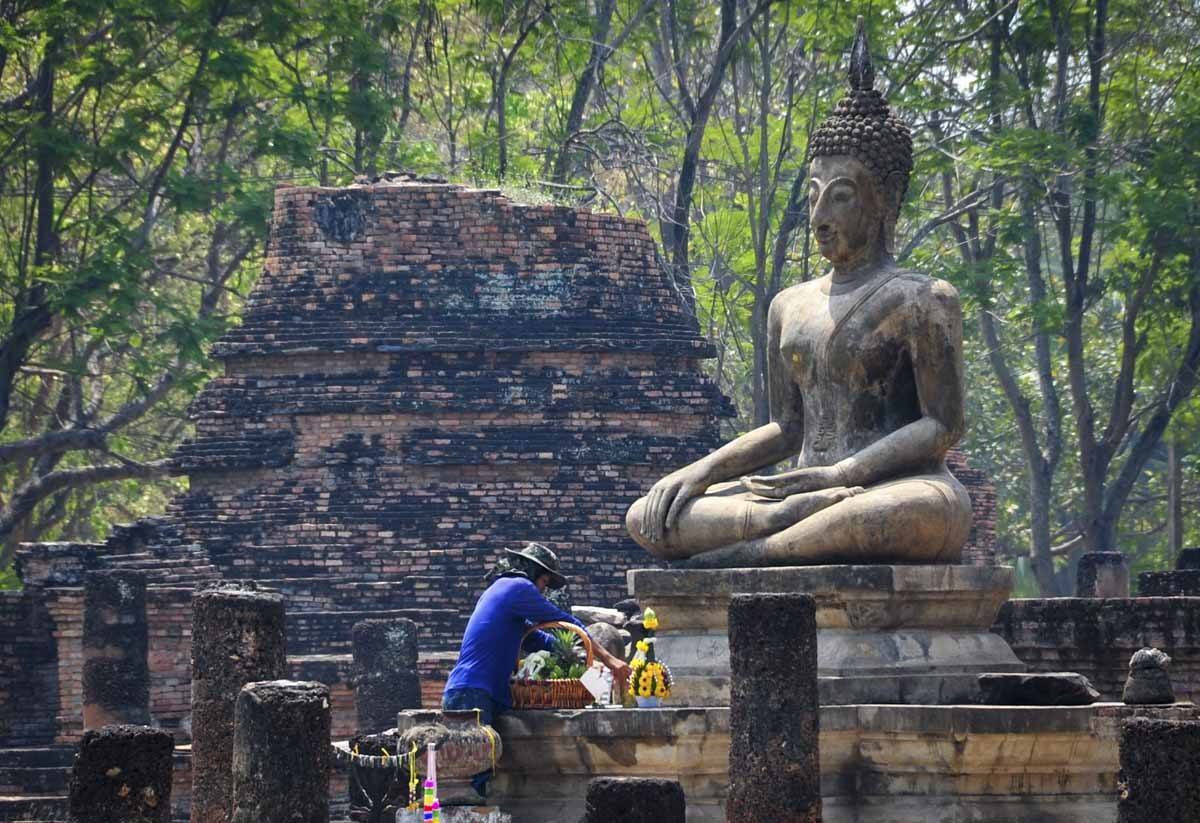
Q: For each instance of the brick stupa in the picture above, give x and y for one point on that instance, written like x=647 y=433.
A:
x=427 y=373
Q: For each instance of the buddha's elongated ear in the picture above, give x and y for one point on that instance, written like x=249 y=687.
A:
x=894 y=187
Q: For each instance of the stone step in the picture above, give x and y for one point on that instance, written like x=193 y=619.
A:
x=330 y=632
x=33 y=779
x=37 y=756
x=348 y=593
x=160 y=563
x=131 y=557
x=434 y=662
x=159 y=568
x=33 y=808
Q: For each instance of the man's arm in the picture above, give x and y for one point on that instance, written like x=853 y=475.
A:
x=531 y=605
x=537 y=641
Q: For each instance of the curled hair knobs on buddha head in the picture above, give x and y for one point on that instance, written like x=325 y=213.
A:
x=862 y=126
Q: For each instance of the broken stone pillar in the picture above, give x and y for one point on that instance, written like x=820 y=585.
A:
x=237 y=638
x=1160 y=771
x=116 y=675
x=1188 y=560
x=386 y=680
x=1149 y=680
x=281 y=753
x=1184 y=581
x=774 y=763
x=1102 y=574
x=634 y=800
x=122 y=774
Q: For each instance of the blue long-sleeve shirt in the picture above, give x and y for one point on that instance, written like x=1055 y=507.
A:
x=493 y=636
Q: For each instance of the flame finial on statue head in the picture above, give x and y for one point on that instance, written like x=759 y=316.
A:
x=862 y=73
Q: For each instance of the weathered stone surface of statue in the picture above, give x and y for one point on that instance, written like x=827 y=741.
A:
x=866 y=388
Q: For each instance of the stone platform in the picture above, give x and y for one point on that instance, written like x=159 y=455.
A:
x=879 y=763
x=886 y=634
x=459 y=814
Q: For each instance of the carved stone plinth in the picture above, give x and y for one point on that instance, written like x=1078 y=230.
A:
x=465 y=747
x=459 y=814
x=882 y=764
x=886 y=634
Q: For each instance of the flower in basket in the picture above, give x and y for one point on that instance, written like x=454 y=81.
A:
x=564 y=660
x=550 y=679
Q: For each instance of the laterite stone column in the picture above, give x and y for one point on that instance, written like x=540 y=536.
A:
x=122 y=774
x=634 y=800
x=116 y=675
x=774 y=763
x=281 y=753
x=385 y=672
x=237 y=638
x=1160 y=771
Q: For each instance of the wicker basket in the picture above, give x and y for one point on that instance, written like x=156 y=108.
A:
x=554 y=694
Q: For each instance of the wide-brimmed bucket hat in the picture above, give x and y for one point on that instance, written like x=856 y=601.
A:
x=542 y=557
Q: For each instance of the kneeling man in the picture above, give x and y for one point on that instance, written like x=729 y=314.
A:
x=503 y=613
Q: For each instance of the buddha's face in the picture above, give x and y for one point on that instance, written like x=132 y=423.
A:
x=845 y=208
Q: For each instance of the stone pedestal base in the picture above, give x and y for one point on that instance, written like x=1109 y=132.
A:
x=886 y=634
x=459 y=814
x=879 y=764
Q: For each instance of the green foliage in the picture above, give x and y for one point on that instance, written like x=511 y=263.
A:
x=173 y=121
x=563 y=660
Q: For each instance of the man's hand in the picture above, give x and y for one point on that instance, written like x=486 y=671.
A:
x=620 y=669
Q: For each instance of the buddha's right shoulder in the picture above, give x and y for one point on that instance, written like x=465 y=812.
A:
x=794 y=293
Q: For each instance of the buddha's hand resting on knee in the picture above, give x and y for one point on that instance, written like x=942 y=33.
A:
x=668 y=496
x=798 y=481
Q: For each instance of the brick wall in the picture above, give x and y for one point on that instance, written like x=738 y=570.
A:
x=28 y=670
x=981 y=545
x=1097 y=636
x=65 y=610
x=335 y=672
x=169 y=617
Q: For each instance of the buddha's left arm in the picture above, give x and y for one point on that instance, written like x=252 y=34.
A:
x=937 y=361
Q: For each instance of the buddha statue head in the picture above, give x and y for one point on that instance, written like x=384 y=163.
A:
x=866 y=152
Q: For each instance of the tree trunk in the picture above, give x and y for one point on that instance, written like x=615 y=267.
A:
x=689 y=167
x=502 y=122
x=1174 y=502
x=1040 y=481
x=583 y=88
x=31 y=316
x=758 y=381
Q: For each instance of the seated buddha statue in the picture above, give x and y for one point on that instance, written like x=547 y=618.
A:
x=865 y=380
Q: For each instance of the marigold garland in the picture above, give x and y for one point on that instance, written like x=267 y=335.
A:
x=650 y=677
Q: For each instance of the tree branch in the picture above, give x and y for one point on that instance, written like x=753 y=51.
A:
x=28 y=496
